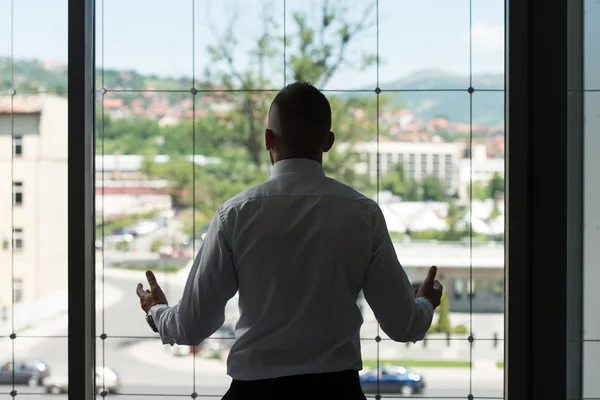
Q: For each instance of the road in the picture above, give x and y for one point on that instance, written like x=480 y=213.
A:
x=124 y=325
x=171 y=392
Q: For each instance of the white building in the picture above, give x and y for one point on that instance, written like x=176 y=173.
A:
x=485 y=217
x=33 y=163
x=478 y=169
x=438 y=159
x=473 y=277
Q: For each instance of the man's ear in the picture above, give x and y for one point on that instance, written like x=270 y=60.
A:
x=329 y=142
x=268 y=139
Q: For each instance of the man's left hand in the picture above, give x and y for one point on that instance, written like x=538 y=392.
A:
x=153 y=296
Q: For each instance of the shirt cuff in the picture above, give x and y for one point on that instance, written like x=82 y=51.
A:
x=426 y=302
x=156 y=308
x=155 y=312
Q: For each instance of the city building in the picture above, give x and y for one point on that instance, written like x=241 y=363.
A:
x=479 y=168
x=33 y=158
x=473 y=276
x=124 y=187
x=420 y=159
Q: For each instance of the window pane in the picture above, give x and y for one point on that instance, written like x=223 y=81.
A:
x=239 y=44
x=39 y=39
x=344 y=48
x=590 y=48
x=6 y=275
x=145 y=42
x=487 y=44
x=167 y=156
x=591 y=364
x=33 y=218
x=488 y=367
x=424 y=45
x=437 y=367
x=40 y=367
x=591 y=214
x=34 y=268
x=5 y=50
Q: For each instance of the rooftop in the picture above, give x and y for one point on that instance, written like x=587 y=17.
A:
x=450 y=254
x=21 y=104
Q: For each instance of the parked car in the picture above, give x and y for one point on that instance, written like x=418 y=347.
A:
x=106 y=379
x=117 y=238
x=24 y=372
x=144 y=227
x=391 y=379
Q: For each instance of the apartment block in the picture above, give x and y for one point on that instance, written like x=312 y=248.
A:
x=33 y=207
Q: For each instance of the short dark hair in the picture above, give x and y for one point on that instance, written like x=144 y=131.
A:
x=300 y=117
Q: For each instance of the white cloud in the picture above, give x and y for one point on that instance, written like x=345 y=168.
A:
x=487 y=37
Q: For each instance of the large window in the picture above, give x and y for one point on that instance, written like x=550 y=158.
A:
x=183 y=90
x=181 y=108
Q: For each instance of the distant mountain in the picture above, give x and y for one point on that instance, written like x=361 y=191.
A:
x=428 y=93
x=432 y=93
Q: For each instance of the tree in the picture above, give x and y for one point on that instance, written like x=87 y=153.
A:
x=316 y=49
x=413 y=191
x=454 y=216
x=155 y=245
x=444 y=324
x=496 y=186
x=395 y=181
x=480 y=191
x=433 y=189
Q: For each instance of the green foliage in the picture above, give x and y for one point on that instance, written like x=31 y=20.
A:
x=395 y=181
x=429 y=189
x=433 y=189
x=443 y=323
x=122 y=246
x=454 y=215
x=155 y=245
x=480 y=190
x=496 y=186
x=193 y=220
x=315 y=51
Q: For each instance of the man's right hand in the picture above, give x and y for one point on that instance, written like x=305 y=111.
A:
x=431 y=288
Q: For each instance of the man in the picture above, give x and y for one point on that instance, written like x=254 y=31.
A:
x=299 y=248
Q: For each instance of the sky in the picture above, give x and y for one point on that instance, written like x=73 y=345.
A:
x=170 y=38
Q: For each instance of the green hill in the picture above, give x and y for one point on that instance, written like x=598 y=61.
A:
x=432 y=93
x=428 y=93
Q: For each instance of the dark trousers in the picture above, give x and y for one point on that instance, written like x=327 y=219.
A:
x=335 y=385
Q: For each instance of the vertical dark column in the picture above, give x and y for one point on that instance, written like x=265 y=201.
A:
x=81 y=200
x=575 y=199
x=541 y=232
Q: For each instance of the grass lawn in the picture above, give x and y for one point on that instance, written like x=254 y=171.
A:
x=420 y=363
x=156 y=268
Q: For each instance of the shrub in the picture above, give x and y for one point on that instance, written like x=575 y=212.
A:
x=155 y=245
x=122 y=246
x=443 y=322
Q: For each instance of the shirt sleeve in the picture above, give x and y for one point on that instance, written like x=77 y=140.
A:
x=210 y=285
x=389 y=292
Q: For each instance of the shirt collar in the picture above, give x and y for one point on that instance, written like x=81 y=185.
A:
x=297 y=166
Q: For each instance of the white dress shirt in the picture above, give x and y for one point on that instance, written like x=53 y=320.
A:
x=299 y=248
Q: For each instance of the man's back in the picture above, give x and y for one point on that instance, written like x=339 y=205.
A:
x=301 y=246
x=298 y=248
